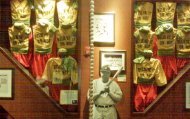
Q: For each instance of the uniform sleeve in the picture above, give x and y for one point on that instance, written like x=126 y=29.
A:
x=47 y=71
x=10 y=33
x=74 y=73
x=160 y=75
x=116 y=92
x=136 y=33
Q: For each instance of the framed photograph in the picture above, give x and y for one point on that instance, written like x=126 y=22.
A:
x=68 y=97
x=115 y=59
x=187 y=95
x=6 y=83
x=103 y=28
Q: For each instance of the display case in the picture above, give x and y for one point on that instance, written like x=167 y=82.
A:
x=159 y=32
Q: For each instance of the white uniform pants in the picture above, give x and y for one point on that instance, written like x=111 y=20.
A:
x=104 y=113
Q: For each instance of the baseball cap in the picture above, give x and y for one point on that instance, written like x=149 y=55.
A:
x=105 y=68
x=18 y=24
x=62 y=50
x=147 y=52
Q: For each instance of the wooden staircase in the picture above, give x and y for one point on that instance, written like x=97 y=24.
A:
x=29 y=96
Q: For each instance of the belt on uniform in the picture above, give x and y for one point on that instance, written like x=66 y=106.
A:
x=103 y=106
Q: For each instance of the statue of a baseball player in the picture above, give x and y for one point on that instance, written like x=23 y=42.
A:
x=106 y=93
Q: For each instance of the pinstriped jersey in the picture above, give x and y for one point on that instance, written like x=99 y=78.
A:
x=45 y=9
x=183 y=44
x=143 y=41
x=149 y=71
x=165 y=12
x=43 y=38
x=61 y=70
x=20 y=11
x=19 y=39
x=67 y=12
x=143 y=13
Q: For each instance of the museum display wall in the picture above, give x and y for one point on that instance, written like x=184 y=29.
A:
x=171 y=103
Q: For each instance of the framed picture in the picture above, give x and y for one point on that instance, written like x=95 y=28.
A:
x=115 y=59
x=187 y=95
x=103 y=28
x=6 y=83
x=68 y=97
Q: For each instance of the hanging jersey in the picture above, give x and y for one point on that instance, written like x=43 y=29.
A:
x=143 y=13
x=166 y=35
x=183 y=44
x=183 y=14
x=165 y=12
x=19 y=39
x=67 y=12
x=20 y=11
x=43 y=38
x=143 y=40
x=45 y=9
x=149 y=72
x=61 y=71
x=66 y=39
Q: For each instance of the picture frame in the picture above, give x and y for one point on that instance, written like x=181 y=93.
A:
x=104 y=28
x=187 y=95
x=68 y=97
x=115 y=59
x=6 y=83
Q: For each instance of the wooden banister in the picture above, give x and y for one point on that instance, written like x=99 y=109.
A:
x=9 y=56
x=4 y=114
x=168 y=87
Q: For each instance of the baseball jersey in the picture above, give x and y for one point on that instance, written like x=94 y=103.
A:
x=183 y=14
x=165 y=12
x=143 y=13
x=61 y=71
x=66 y=39
x=183 y=43
x=43 y=38
x=166 y=35
x=45 y=9
x=67 y=12
x=20 y=11
x=149 y=71
x=19 y=39
x=143 y=40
